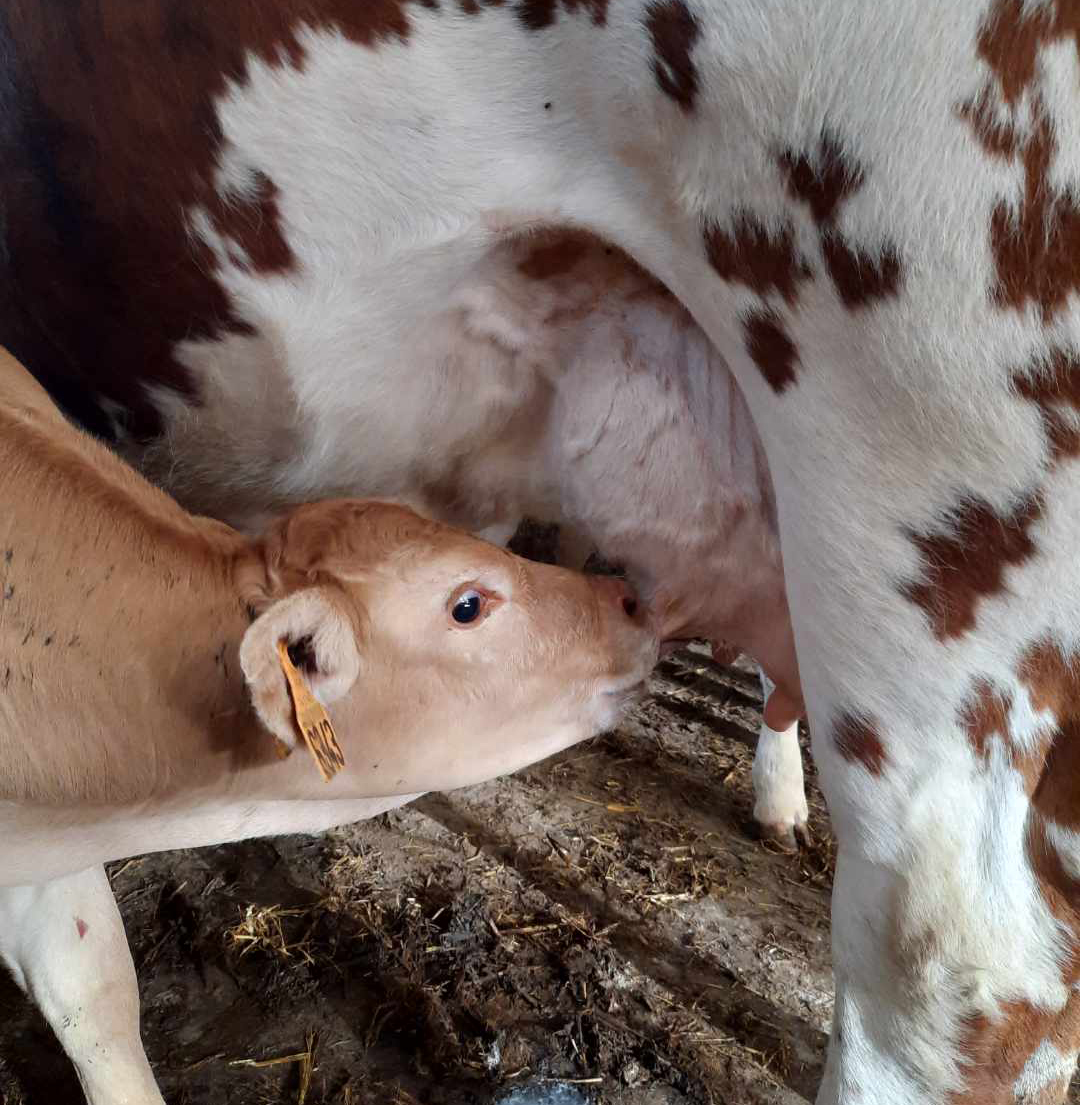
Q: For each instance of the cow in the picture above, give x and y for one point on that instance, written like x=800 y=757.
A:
x=142 y=696
x=240 y=238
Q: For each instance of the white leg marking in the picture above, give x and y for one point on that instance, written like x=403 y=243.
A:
x=65 y=944
x=779 y=793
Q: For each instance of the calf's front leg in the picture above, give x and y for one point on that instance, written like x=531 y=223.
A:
x=64 y=942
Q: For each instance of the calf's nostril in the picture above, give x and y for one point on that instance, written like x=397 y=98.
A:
x=630 y=606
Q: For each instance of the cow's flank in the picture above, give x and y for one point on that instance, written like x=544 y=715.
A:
x=329 y=215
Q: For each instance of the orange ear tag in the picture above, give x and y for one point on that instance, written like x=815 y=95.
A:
x=312 y=719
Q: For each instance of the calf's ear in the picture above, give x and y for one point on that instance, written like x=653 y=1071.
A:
x=321 y=638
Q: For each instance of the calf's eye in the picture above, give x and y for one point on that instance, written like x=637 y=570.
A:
x=468 y=607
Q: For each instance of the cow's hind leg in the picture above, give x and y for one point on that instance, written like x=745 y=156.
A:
x=65 y=944
x=779 y=791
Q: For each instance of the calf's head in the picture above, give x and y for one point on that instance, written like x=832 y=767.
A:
x=451 y=660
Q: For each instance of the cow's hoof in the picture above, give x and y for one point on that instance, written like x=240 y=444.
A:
x=786 y=836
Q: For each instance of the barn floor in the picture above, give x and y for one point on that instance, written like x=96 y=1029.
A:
x=601 y=927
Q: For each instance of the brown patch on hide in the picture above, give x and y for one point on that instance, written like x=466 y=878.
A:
x=537 y=15
x=1054 y=387
x=997 y=138
x=860 y=278
x=1037 y=249
x=111 y=139
x=985 y=713
x=858 y=741
x=1014 y=32
x=770 y=348
x=824 y=180
x=967 y=562
x=674 y=31
x=749 y=253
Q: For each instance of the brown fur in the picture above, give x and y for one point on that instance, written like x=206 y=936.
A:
x=749 y=253
x=118 y=603
x=770 y=348
x=995 y=1051
x=968 y=561
x=535 y=15
x=823 y=182
x=985 y=714
x=1054 y=388
x=1035 y=250
x=674 y=31
x=858 y=741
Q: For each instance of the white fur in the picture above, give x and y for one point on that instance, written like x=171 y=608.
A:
x=1046 y=1067
x=65 y=945
x=779 y=791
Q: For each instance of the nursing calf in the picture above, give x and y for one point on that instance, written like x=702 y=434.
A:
x=142 y=691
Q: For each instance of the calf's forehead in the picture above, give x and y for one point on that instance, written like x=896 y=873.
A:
x=439 y=556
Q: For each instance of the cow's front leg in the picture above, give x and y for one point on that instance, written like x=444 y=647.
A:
x=64 y=942
x=779 y=791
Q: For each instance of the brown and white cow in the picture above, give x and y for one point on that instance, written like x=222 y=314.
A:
x=244 y=226
x=132 y=635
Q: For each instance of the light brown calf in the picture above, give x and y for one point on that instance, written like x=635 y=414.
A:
x=140 y=686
